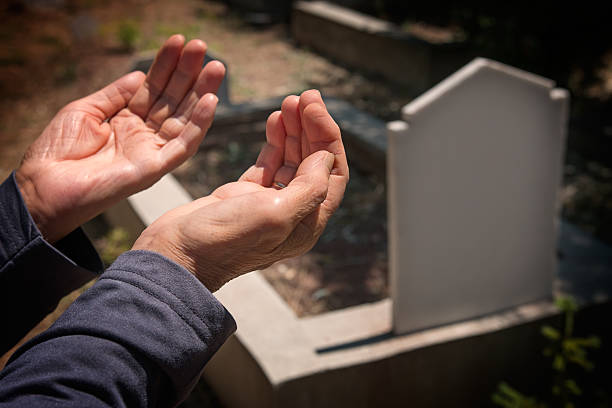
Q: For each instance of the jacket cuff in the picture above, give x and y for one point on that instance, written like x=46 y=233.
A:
x=20 y=232
x=161 y=281
x=35 y=275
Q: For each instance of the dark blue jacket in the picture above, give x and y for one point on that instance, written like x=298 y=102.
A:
x=139 y=337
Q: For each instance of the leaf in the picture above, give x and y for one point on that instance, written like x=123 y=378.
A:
x=559 y=363
x=592 y=341
x=573 y=387
x=581 y=361
x=505 y=388
x=550 y=332
x=566 y=304
x=499 y=400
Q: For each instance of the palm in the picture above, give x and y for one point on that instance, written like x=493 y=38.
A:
x=124 y=137
x=300 y=130
x=277 y=209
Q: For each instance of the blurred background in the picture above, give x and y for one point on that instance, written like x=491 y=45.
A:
x=55 y=51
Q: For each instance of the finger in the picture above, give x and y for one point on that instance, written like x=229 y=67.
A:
x=291 y=118
x=279 y=212
x=307 y=98
x=309 y=188
x=210 y=78
x=181 y=81
x=271 y=155
x=158 y=76
x=111 y=99
x=320 y=130
x=323 y=134
x=293 y=150
x=186 y=143
x=208 y=81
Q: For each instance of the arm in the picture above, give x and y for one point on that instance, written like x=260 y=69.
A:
x=143 y=333
x=94 y=152
x=35 y=275
x=139 y=337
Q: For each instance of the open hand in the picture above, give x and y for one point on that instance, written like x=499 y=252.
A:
x=277 y=209
x=121 y=139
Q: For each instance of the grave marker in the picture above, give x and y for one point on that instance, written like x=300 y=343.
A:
x=473 y=173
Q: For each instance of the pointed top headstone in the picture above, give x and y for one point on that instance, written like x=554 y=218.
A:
x=473 y=179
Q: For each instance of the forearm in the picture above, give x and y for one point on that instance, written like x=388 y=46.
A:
x=35 y=275
x=139 y=337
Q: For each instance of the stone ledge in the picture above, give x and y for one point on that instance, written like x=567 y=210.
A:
x=374 y=46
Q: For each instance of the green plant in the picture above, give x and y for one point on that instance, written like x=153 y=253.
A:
x=508 y=397
x=128 y=33
x=567 y=353
x=114 y=243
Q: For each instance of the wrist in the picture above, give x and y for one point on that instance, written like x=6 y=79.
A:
x=152 y=241
x=32 y=201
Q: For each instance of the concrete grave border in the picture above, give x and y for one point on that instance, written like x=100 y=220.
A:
x=276 y=359
x=363 y=42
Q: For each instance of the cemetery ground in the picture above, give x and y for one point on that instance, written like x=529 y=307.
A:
x=55 y=55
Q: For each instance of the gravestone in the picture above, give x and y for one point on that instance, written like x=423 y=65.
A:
x=473 y=172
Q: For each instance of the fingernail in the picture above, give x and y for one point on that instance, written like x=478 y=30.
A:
x=211 y=98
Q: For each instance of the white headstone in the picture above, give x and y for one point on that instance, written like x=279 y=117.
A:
x=473 y=173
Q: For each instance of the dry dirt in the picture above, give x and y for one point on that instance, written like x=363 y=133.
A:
x=52 y=55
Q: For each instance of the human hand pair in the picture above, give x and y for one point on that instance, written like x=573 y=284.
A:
x=119 y=140
x=123 y=138
x=253 y=222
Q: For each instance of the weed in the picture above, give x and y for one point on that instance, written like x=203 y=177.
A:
x=128 y=33
x=113 y=244
x=566 y=352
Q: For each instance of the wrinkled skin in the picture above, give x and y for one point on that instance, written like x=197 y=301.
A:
x=252 y=223
x=119 y=140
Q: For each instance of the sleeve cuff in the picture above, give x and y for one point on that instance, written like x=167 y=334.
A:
x=154 y=308
x=20 y=231
x=35 y=275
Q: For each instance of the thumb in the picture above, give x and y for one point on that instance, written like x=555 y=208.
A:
x=308 y=189
x=112 y=98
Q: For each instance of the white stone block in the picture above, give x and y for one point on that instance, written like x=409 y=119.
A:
x=473 y=175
